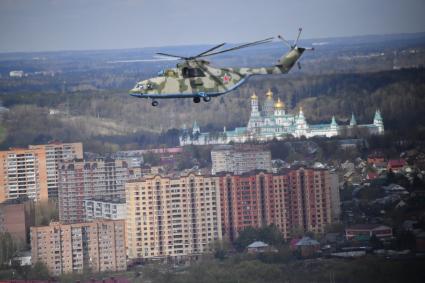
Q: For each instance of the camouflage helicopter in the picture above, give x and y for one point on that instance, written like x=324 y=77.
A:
x=195 y=78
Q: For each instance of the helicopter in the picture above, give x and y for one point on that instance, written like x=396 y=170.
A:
x=195 y=78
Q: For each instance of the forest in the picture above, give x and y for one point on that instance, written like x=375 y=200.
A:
x=110 y=120
x=81 y=96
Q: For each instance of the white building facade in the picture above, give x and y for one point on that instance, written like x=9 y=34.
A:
x=104 y=208
x=226 y=158
x=273 y=122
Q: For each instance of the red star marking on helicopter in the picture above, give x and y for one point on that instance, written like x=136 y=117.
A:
x=226 y=78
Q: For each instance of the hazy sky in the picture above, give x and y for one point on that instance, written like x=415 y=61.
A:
x=38 y=25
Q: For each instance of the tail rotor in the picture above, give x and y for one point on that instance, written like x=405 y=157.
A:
x=295 y=44
x=298 y=37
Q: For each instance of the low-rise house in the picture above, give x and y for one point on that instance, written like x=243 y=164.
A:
x=396 y=165
x=400 y=204
x=260 y=247
x=375 y=159
x=394 y=188
x=372 y=175
x=365 y=231
x=22 y=258
x=333 y=238
x=307 y=247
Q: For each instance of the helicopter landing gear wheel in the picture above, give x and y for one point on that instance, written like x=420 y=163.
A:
x=207 y=99
x=196 y=99
x=155 y=103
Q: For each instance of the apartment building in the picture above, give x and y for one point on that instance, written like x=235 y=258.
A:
x=254 y=199
x=240 y=159
x=64 y=248
x=335 y=196
x=104 y=208
x=309 y=199
x=175 y=217
x=79 y=180
x=23 y=173
x=295 y=200
x=16 y=218
x=57 y=152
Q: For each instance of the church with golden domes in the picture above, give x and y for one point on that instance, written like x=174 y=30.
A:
x=273 y=122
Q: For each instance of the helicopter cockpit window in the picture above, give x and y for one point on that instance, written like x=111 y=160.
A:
x=192 y=72
x=144 y=86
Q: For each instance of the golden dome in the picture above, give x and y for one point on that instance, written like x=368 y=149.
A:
x=254 y=96
x=269 y=94
x=279 y=104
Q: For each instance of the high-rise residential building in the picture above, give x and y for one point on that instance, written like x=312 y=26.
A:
x=134 y=158
x=104 y=208
x=23 y=173
x=335 y=196
x=172 y=217
x=16 y=218
x=64 y=248
x=57 y=152
x=240 y=159
x=254 y=199
x=79 y=180
x=295 y=200
x=309 y=199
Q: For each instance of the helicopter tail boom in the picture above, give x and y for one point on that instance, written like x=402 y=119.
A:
x=283 y=66
x=286 y=62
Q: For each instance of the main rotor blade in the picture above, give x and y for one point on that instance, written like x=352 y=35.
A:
x=240 y=47
x=209 y=50
x=155 y=59
x=171 y=55
x=284 y=41
x=298 y=37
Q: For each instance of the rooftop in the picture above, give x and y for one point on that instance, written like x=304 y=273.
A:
x=307 y=241
x=365 y=226
x=258 y=244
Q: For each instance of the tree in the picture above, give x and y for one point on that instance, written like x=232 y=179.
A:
x=39 y=271
x=8 y=248
x=45 y=212
x=151 y=158
x=335 y=228
x=268 y=234
x=246 y=237
x=406 y=240
x=375 y=242
x=220 y=248
x=390 y=176
x=271 y=235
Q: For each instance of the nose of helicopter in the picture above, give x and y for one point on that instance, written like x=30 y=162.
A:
x=135 y=92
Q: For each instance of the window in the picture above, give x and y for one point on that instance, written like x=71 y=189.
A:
x=192 y=72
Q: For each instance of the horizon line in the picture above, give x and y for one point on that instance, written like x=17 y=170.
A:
x=198 y=44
